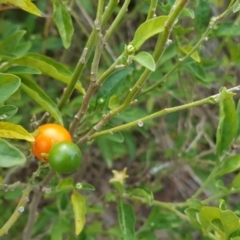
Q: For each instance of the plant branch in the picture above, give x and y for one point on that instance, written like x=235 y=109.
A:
x=159 y=49
x=152 y=9
x=34 y=205
x=95 y=84
x=21 y=205
x=169 y=206
x=140 y=122
x=212 y=23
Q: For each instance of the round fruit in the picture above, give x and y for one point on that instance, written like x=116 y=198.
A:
x=47 y=135
x=65 y=157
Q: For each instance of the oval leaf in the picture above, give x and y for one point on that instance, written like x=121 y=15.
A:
x=146 y=194
x=150 y=28
x=227 y=126
x=8 y=46
x=8 y=85
x=7 y=112
x=65 y=184
x=10 y=130
x=79 y=209
x=23 y=70
x=230 y=165
x=126 y=219
x=38 y=95
x=187 y=50
x=145 y=59
x=63 y=21
x=49 y=67
x=112 y=83
x=9 y=155
x=25 y=5
x=87 y=186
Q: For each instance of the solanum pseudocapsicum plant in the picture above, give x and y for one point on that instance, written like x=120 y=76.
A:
x=123 y=86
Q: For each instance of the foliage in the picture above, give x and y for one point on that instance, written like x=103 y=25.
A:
x=148 y=91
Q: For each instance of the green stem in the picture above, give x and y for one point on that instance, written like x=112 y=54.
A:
x=159 y=49
x=117 y=20
x=152 y=9
x=212 y=23
x=169 y=206
x=84 y=57
x=221 y=194
x=139 y=122
x=17 y=212
x=21 y=205
x=94 y=85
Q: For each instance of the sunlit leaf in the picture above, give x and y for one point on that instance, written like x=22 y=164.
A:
x=49 y=67
x=150 y=28
x=145 y=59
x=25 y=5
x=187 y=50
x=10 y=130
x=229 y=219
x=79 y=209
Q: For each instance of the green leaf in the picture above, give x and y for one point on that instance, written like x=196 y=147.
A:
x=150 y=28
x=227 y=29
x=187 y=49
x=236 y=181
x=114 y=102
x=126 y=219
x=65 y=184
x=229 y=220
x=7 y=112
x=238 y=117
x=10 y=130
x=143 y=193
x=38 y=95
x=79 y=209
x=207 y=215
x=202 y=14
x=9 y=155
x=23 y=70
x=63 y=21
x=227 y=126
x=25 y=5
x=146 y=235
x=112 y=83
x=236 y=7
x=57 y=230
x=8 y=45
x=87 y=186
x=49 y=67
x=115 y=137
x=193 y=217
x=229 y=165
x=145 y=59
x=8 y=85
x=197 y=71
